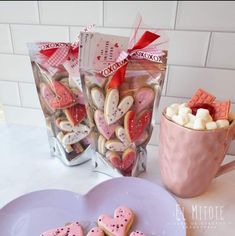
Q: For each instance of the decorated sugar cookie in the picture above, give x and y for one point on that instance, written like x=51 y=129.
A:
x=115 y=145
x=143 y=98
x=74 y=229
x=113 y=110
x=57 y=95
x=121 y=135
x=143 y=137
x=78 y=148
x=68 y=148
x=80 y=132
x=120 y=224
x=96 y=231
x=101 y=144
x=124 y=161
x=78 y=96
x=101 y=124
x=97 y=97
x=137 y=233
x=135 y=124
x=75 y=114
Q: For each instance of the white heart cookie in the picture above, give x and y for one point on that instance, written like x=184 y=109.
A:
x=65 y=126
x=114 y=110
x=68 y=148
x=101 y=144
x=115 y=145
x=79 y=132
x=97 y=97
x=121 y=135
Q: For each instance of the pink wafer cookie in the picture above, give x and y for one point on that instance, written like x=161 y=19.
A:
x=201 y=96
x=221 y=110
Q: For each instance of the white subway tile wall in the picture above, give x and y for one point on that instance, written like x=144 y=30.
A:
x=201 y=45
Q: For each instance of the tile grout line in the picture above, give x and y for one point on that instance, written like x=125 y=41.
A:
x=39 y=16
x=176 y=13
x=208 y=49
x=21 y=100
x=122 y=27
x=12 y=41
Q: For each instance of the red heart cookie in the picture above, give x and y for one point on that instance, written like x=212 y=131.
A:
x=119 y=225
x=136 y=125
x=75 y=114
x=124 y=162
x=57 y=96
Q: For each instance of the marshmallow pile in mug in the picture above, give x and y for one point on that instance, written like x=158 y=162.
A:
x=182 y=115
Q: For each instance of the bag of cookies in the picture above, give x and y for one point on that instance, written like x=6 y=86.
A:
x=56 y=74
x=122 y=81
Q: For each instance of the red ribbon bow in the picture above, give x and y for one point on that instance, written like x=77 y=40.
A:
x=146 y=39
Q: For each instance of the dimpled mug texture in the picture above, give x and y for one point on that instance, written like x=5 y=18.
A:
x=190 y=159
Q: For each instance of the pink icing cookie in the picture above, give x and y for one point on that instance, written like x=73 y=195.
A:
x=143 y=98
x=120 y=224
x=105 y=129
x=74 y=229
x=137 y=233
x=96 y=231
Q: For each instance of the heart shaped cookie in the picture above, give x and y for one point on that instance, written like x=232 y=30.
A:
x=121 y=135
x=97 y=97
x=114 y=110
x=57 y=95
x=135 y=125
x=143 y=137
x=79 y=132
x=120 y=224
x=137 y=233
x=79 y=98
x=101 y=145
x=102 y=126
x=78 y=148
x=74 y=229
x=143 y=98
x=75 y=114
x=122 y=162
x=96 y=231
x=115 y=145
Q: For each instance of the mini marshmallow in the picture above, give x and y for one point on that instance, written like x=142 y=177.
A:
x=170 y=111
x=181 y=120
x=211 y=125
x=192 y=118
x=222 y=123
x=189 y=125
x=199 y=124
x=175 y=105
x=204 y=114
x=184 y=110
x=183 y=105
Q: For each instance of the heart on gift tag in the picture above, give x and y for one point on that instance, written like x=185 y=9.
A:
x=98 y=57
x=123 y=162
x=57 y=96
x=116 y=45
x=143 y=98
x=74 y=229
x=75 y=114
x=120 y=224
x=102 y=126
x=79 y=132
x=114 y=110
x=96 y=231
x=135 y=125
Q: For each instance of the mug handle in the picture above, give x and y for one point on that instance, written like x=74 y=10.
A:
x=231 y=165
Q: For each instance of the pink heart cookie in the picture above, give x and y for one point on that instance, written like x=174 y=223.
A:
x=120 y=224
x=137 y=233
x=96 y=231
x=74 y=229
x=125 y=161
x=105 y=129
x=143 y=98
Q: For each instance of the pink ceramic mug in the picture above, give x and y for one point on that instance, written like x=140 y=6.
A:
x=190 y=159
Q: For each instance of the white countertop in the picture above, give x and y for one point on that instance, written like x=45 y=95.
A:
x=26 y=166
